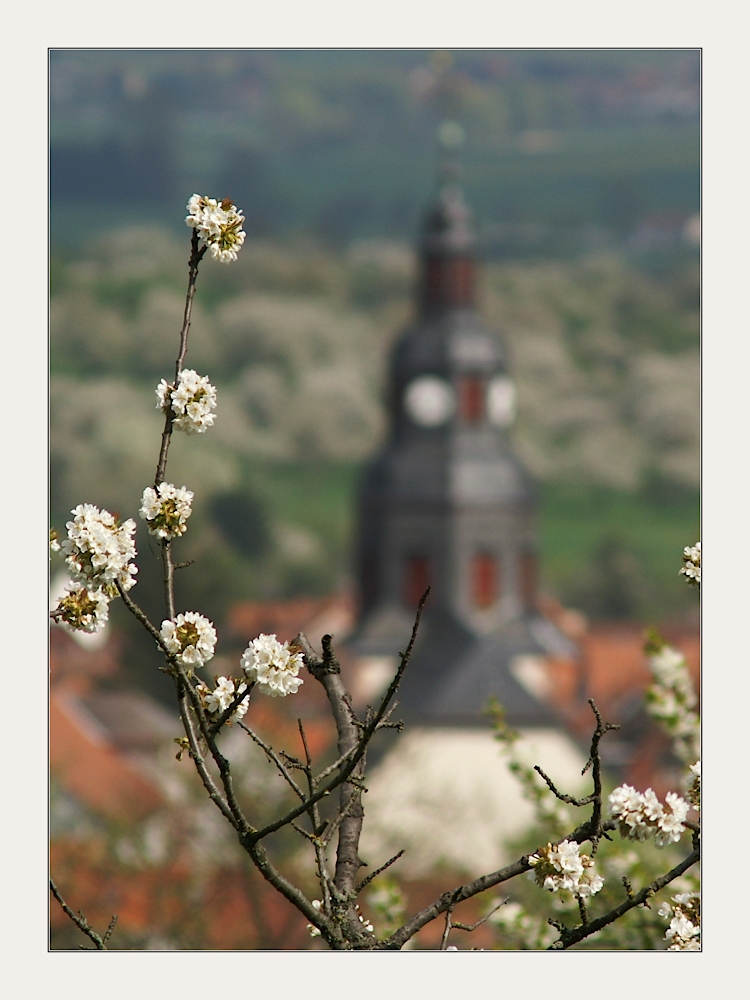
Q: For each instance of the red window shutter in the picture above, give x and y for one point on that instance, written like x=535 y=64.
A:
x=485 y=579
x=416 y=579
x=471 y=393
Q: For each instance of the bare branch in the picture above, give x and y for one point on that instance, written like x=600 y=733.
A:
x=273 y=756
x=561 y=795
x=231 y=708
x=196 y=255
x=145 y=621
x=570 y=936
x=399 y=937
x=347 y=768
x=484 y=919
x=100 y=943
x=378 y=871
x=446 y=932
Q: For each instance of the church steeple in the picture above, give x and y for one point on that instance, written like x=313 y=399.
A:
x=446 y=502
x=448 y=245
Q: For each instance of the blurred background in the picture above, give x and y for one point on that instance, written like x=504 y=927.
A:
x=582 y=168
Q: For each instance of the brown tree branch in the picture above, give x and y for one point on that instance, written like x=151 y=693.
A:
x=570 y=936
x=273 y=756
x=313 y=662
x=196 y=255
x=100 y=943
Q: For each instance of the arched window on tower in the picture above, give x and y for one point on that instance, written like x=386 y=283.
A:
x=485 y=579
x=471 y=401
x=528 y=577
x=417 y=578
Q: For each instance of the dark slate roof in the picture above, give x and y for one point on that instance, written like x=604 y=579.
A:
x=453 y=674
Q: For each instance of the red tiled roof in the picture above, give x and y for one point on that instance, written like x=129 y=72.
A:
x=89 y=767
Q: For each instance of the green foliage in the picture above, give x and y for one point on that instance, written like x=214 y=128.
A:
x=296 y=336
x=613 y=554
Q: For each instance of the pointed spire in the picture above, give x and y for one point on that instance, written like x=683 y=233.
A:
x=448 y=239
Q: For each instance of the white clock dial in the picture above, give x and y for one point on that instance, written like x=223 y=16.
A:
x=501 y=401
x=430 y=401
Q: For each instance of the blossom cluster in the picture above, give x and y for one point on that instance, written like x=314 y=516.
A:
x=82 y=609
x=691 y=556
x=190 y=637
x=273 y=666
x=641 y=816
x=217 y=701
x=192 y=399
x=562 y=866
x=166 y=509
x=98 y=550
x=684 y=931
x=218 y=225
x=671 y=699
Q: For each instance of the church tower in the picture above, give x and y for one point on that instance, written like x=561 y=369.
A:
x=448 y=503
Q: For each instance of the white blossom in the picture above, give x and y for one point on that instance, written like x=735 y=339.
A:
x=691 y=556
x=166 y=509
x=273 y=666
x=82 y=609
x=218 y=224
x=316 y=905
x=54 y=544
x=684 y=931
x=562 y=867
x=222 y=696
x=191 y=637
x=363 y=920
x=192 y=399
x=641 y=816
x=99 y=550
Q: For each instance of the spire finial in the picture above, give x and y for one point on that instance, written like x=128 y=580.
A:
x=451 y=137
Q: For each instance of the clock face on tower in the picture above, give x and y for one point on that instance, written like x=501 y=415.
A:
x=501 y=401
x=429 y=401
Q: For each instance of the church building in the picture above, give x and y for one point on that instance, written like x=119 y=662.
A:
x=447 y=503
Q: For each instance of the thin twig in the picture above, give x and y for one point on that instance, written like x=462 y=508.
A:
x=82 y=923
x=446 y=932
x=570 y=936
x=144 y=620
x=484 y=919
x=317 y=825
x=231 y=708
x=272 y=755
x=365 y=738
x=378 y=871
x=110 y=928
x=561 y=795
x=196 y=255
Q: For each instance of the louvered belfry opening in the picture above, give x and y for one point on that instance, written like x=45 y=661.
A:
x=416 y=579
x=472 y=390
x=485 y=579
